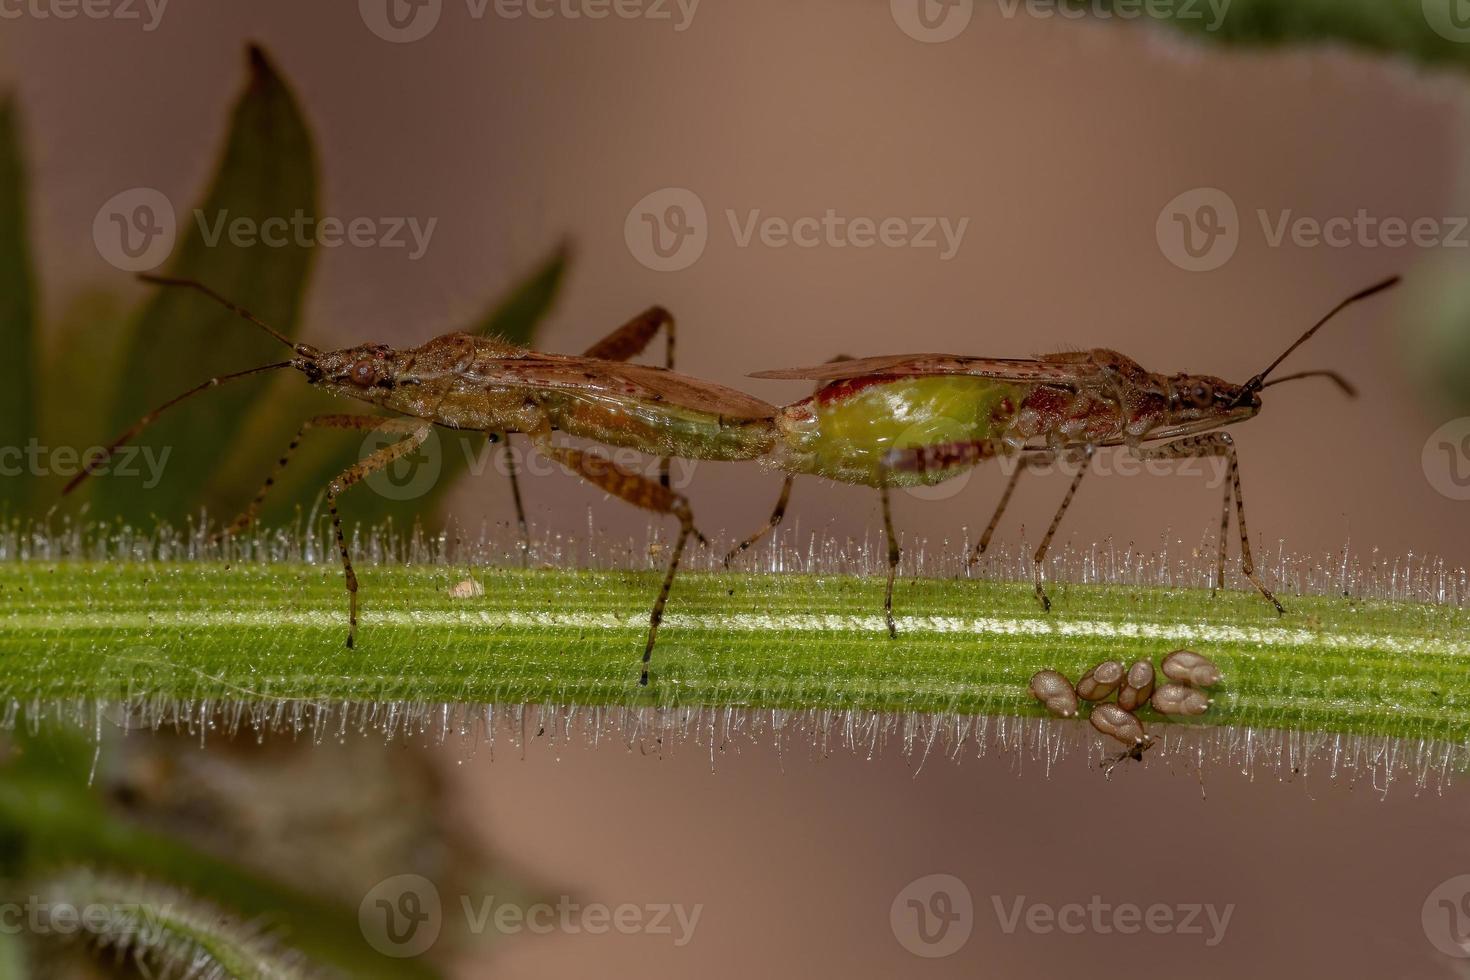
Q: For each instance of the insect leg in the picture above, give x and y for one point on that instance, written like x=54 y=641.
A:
x=1025 y=462
x=360 y=423
x=777 y=514
x=630 y=340
x=515 y=494
x=1217 y=444
x=779 y=511
x=1051 y=531
x=893 y=555
x=1224 y=529
x=640 y=492
x=355 y=474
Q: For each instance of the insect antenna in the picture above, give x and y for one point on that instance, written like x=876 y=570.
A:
x=1259 y=381
x=92 y=465
x=1348 y=388
x=305 y=350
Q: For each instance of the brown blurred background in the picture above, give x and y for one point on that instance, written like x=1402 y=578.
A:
x=1060 y=144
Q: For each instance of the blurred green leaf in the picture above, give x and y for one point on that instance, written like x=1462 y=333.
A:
x=47 y=806
x=86 y=342
x=17 y=309
x=519 y=314
x=267 y=171
x=1420 y=29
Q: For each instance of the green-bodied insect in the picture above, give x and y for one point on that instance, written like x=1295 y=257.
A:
x=921 y=419
x=484 y=384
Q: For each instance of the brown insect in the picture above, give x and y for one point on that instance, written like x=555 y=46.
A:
x=478 y=383
x=920 y=419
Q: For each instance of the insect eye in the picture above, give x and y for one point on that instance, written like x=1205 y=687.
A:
x=363 y=373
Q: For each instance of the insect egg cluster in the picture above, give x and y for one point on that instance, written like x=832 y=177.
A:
x=1186 y=674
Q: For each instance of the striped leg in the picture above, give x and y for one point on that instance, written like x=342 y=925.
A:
x=777 y=515
x=356 y=473
x=1218 y=444
x=1028 y=460
x=630 y=340
x=627 y=341
x=358 y=423
x=1051 y=531
x=640 y=492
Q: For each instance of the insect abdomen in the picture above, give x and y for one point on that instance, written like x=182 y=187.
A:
x=845 y=431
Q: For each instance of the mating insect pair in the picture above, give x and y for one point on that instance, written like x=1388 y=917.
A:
x=883 y=422
x=1185 y=671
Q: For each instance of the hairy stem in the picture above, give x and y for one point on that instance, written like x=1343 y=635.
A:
x=190 y=632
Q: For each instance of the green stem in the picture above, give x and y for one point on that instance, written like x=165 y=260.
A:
x=163 y=926
x=264 y=634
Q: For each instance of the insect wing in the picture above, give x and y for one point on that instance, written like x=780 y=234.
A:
x=1023 y=370
x=618 y=379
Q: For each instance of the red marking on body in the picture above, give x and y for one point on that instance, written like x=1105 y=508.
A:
x=840 y=391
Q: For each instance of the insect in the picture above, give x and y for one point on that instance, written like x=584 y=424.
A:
x=478 y=383
x=920 y=419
